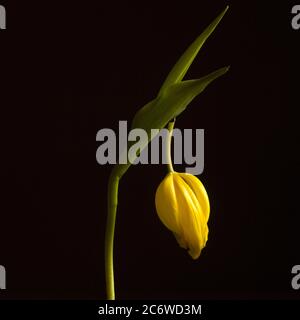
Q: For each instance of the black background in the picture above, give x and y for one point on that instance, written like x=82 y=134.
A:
x=69 y=70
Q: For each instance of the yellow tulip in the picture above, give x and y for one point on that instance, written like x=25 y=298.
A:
x=183 y=207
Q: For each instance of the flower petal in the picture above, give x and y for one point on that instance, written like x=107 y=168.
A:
x=166 y=204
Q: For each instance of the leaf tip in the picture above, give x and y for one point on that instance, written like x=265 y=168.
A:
x=226 y=69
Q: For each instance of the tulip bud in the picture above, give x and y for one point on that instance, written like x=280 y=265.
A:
x=183 y=207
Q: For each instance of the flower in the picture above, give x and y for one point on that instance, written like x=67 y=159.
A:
x=183 y=207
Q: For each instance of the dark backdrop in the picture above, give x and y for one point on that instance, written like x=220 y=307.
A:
x=69 y=70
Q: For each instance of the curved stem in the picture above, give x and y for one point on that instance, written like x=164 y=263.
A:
x=112 y=197
x=169 y=143
x=113 y=187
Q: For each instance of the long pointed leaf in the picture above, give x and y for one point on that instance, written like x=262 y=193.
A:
x=157 y=113
x=183 y=64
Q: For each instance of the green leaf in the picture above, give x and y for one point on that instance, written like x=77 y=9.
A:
x=157 y=113
x=175 y=94
x=183 y=64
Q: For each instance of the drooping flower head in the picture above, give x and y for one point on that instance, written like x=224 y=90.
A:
x=183 y=207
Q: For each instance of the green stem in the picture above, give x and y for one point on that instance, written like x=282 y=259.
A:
x=169 y=143
x=113 y=186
